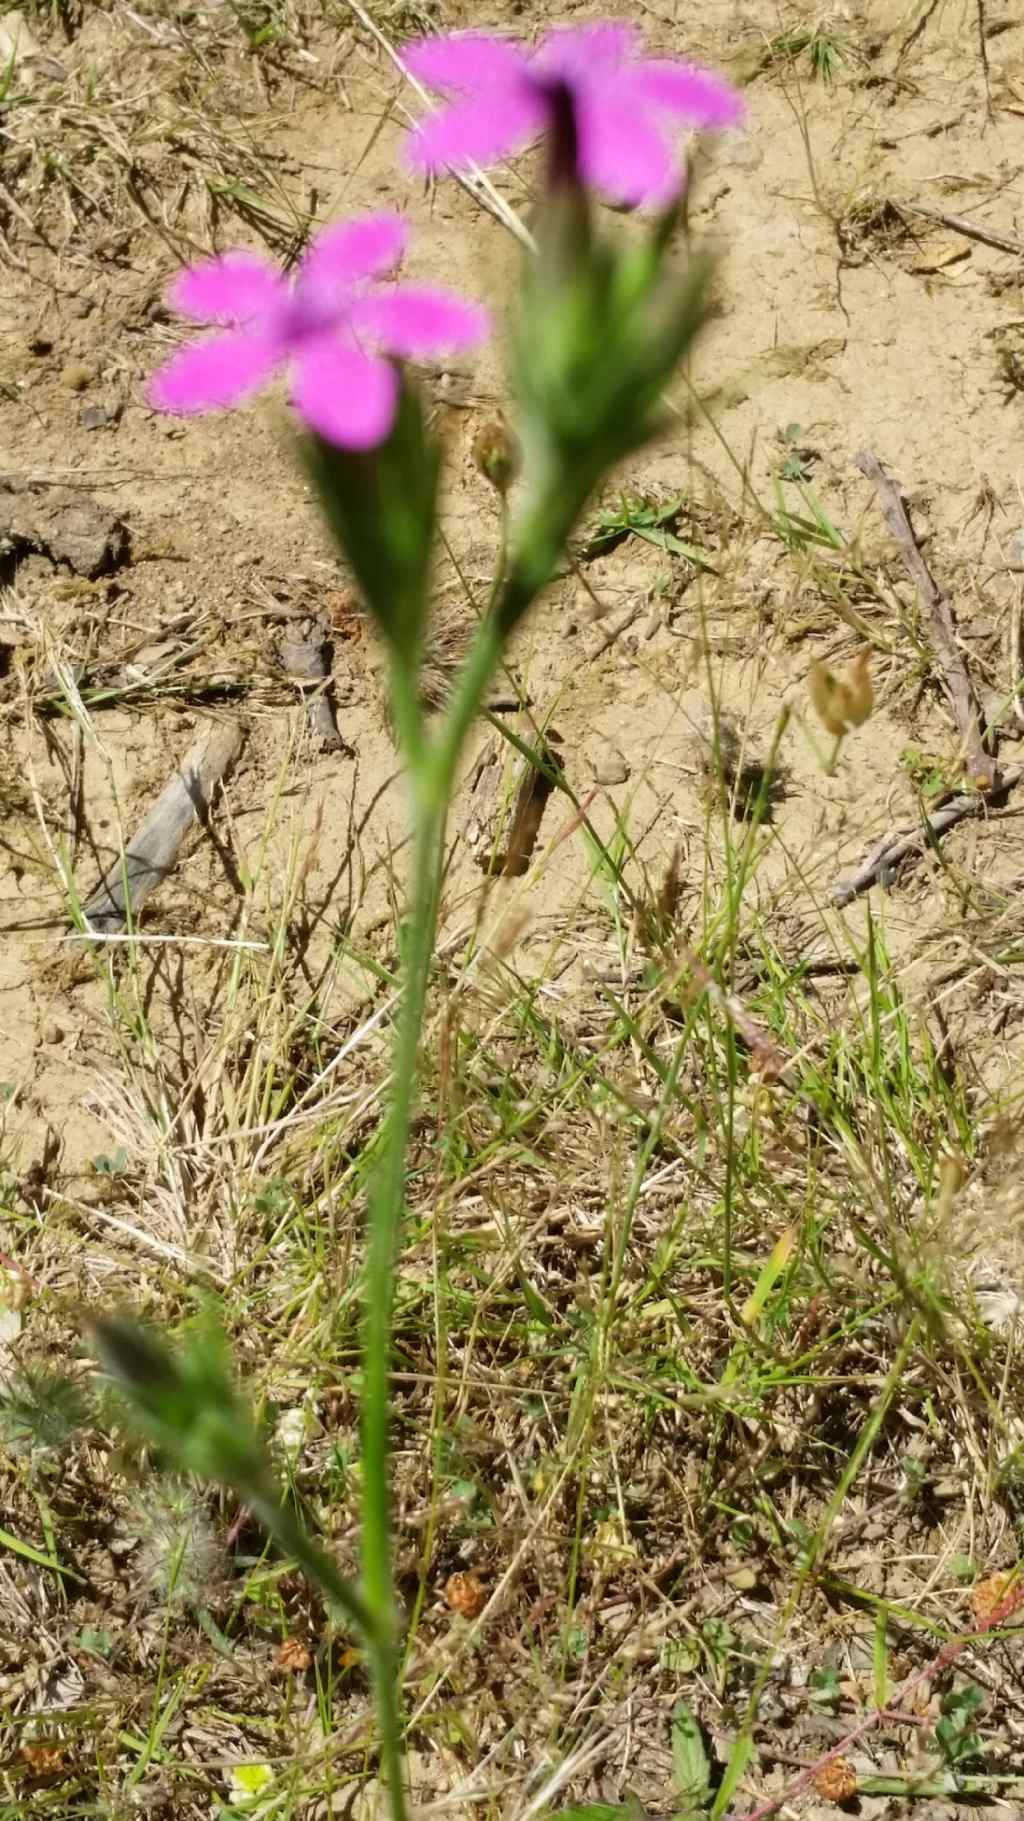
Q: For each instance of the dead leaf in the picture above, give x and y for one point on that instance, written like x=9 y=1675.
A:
x=935 y=252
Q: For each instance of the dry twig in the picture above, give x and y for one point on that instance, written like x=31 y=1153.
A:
x=904 y=843
x=981 y=768
x=971 y=230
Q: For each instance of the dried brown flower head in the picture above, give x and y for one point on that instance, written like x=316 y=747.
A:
x=465 y=1594
x=836 y=1781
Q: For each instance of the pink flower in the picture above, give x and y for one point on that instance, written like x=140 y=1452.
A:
x=330 y=325
x=625 y=104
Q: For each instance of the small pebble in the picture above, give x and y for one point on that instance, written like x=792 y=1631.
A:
x=611 y=768
x=51 y=1032
x=742 y=151
x=97 y=417
x=77 y=375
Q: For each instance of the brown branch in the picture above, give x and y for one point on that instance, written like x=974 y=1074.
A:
x=1008 y=1605
x=905 y=843
x=971 y=230
x=981 y=769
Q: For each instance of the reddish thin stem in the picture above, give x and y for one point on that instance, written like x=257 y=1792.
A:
x=1008 y=1605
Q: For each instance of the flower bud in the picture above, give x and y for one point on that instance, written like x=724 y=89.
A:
x=842 y=702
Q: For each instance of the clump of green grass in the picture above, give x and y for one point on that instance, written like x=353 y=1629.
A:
x=821 y=45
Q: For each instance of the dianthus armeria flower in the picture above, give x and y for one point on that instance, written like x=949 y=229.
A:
x=332 y=325
x=625 y=105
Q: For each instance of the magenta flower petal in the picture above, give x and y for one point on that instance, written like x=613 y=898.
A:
x=347 y=396
x=351 y=250
x=231 y=289
x=412 y=321
x=587 y=51
x=464 y=60
x=211 y=375
x=699 y=96
x=479 y=131
x=622 y=154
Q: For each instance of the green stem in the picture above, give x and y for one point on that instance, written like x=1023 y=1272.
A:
x=431 y=770
x=293 y=1540
x=383 y=1241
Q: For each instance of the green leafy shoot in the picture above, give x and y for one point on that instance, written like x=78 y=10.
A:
x=691 y=1766
x=956 y=1734
x=649 y=521
x=823 y=48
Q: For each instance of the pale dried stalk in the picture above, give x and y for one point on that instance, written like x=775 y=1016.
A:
x=152 y=853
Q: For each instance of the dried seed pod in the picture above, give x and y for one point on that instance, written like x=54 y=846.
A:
x=836 y=1781
x=497 y=454
x=842 y=702
x=293 y=1655
x=465 y=1594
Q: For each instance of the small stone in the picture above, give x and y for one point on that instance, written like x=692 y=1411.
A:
x=97 y=417
x=77 y=375
x=51 y=1032
x=611 y=768
x=83 y=306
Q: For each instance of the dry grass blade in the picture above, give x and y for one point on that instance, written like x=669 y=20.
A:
x=474 y=181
